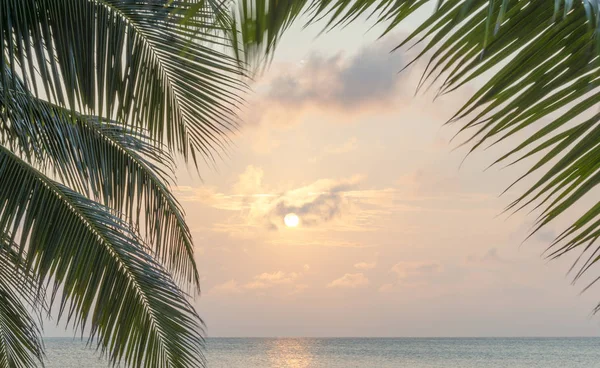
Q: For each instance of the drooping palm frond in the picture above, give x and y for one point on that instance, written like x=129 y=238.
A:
x=110 y=282
x=540 y=63
x=102 y=159
x=96 y=98
x=135 y=62
x=21 y=342
x=256 y=26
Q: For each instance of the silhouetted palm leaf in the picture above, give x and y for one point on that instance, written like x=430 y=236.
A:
x=96 y=98
x=20 y=337
x=135 y=62
x=102 y=159
x=109 y=280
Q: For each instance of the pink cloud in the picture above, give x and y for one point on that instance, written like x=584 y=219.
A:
x=350 y=280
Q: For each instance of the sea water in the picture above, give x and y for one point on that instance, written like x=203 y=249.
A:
x=368 y=353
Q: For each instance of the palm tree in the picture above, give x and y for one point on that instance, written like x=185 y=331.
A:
x=539 y=61
x=98 y=98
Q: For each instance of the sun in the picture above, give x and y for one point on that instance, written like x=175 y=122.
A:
x=291 y=220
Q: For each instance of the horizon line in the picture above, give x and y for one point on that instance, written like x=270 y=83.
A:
x=370 y=337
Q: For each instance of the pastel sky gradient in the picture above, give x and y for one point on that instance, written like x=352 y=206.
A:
x=396 y=237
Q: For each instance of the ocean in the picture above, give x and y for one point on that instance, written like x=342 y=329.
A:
x=368 y=353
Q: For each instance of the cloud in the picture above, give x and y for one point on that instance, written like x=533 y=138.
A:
x=262 y=281
x=268 y=280
x=365 y=266
x=326 y=200
x=490 y=257
x=323 y=207
x=493 y=256
x=257 y=285
x=350 y=280
x=341 y=205
x=278 y=277
x=368 y=77
x=250 y=181
x=318 y=203
x=340 y=83
x=415 y=270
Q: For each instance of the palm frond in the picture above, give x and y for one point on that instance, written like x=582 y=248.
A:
x=547 y=82
x=135 y=62
x=20 y=338
x=255 y=28
x=111 y=286
x=21 y=342
x=127 y=172
x=540 y=62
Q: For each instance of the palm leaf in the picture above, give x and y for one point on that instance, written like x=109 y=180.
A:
x=111 y=285
x=21 y=342
x=127 y=172
x=255 y=28
x=135 y=62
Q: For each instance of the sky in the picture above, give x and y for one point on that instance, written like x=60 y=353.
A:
x=396 y=237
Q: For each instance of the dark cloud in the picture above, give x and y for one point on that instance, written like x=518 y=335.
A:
x=366 y=78
x=492 y=256
x=322 y=208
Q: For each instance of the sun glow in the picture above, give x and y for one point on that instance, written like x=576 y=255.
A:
x=291 y=220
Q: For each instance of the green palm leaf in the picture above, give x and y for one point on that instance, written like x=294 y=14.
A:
x=135 y=312
x=20 y=337
x=96 y=98
x=255 y=27
x=135 y=62
x=127 y=172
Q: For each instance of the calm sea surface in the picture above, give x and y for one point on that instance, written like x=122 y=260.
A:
x=370 y=353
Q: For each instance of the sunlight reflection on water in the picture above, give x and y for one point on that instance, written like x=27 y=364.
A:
x=368 y=353
x=292 y=353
